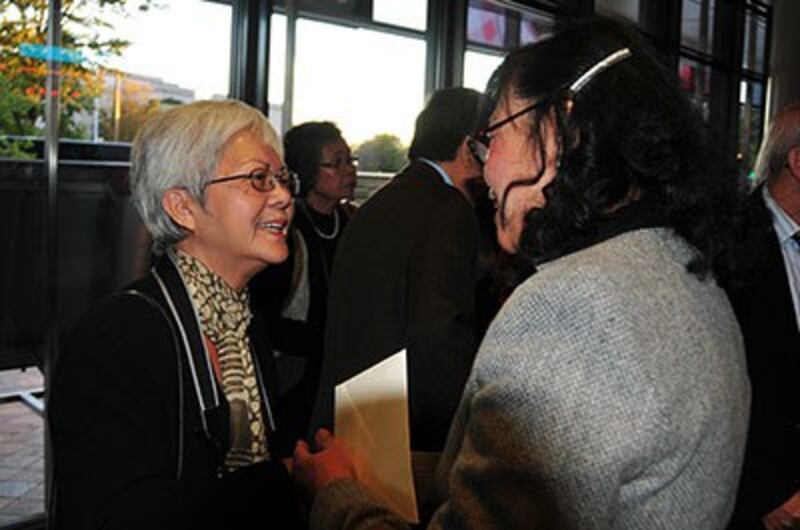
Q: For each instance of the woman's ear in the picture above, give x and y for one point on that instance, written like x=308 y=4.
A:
x=181 y=208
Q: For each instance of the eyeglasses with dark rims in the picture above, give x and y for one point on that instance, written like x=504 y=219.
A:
x=479 y=144
x=340 y=162
x=264 y=179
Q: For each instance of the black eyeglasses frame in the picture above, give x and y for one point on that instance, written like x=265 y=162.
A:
x=479 y=144
x=285 y=177
x=340 y=163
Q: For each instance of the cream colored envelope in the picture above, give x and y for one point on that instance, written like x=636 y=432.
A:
x=372 y=422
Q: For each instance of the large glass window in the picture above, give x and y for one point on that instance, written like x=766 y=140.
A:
x=755 y=37
x=328 y=84
x=113 y=74
x=23 y=76
x=478 y=68
x=406 y=13
x=533 y=26
x=277 y=71
x=492 y=30
x=697 y=25
x=752 y=98
x=489 y=24
x=23 y=202
x=118 y=63
x=169 y=64
x=101 y=242
x=751 y=118
x=349 y=68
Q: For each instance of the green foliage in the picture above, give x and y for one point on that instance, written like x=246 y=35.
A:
x=11 y=104
x=384 y=152
x=18 y=148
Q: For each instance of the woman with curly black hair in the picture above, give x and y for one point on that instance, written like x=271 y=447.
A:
x=610 y=391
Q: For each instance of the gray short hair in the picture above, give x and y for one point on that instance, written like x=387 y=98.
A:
x=181 y=148
x=783 y=136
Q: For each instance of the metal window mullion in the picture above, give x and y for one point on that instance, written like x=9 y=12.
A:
x=50 y=246
x=447 y=22
x=727 y=49
x=250 y=52
x=766 y=73
x=289 y=64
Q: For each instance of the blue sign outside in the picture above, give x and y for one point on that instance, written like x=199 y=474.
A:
x=56 y=53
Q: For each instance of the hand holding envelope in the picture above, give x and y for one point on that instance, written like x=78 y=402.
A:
x=315 y=471
x=372 y=442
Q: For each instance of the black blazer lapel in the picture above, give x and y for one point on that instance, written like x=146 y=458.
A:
x=213 y=407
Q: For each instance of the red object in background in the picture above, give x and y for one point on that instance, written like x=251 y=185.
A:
x=686 y=73
x=489 y=30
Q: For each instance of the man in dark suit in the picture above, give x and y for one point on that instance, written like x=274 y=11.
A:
x=404 y=274
x=767 y=305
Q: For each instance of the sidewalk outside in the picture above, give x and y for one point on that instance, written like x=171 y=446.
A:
x=21 y=450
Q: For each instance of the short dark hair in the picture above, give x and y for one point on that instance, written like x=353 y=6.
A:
x=302 y=146
x=450 y=115
x=629 y=134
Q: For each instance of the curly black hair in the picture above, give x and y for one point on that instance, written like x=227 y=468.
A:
x=303 y=145
x=627 y=135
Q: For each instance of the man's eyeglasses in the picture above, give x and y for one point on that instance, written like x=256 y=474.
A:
x=265 y=180
x=341 y=162
x=479 y=144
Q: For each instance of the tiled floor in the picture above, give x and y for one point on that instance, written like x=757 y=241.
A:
x=21 y=450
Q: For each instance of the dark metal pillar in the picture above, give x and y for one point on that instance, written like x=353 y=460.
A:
x=250 y=52
x=446 y=37
x=50 y=239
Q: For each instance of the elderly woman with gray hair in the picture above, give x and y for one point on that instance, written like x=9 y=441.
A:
x=161 y=404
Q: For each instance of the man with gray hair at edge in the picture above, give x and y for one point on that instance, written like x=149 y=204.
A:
x=767 y=304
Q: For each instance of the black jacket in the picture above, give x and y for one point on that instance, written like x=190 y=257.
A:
x=131 y=446
x=764 y=307
x=404 y=277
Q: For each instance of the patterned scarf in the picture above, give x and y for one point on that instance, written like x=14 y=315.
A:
x=224 y=317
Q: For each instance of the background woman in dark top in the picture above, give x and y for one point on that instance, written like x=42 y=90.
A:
x=293 y=297
x=161 y=404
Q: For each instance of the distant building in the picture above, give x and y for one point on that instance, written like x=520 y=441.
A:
x=125 y=101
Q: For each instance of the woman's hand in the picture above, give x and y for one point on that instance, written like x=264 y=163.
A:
x=314 y=471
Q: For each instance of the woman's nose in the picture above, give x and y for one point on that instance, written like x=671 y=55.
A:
x=279 y=197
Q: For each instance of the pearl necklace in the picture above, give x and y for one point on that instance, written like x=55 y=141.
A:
x=320 y=233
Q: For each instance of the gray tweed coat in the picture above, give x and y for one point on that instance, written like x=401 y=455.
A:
x=609 y=393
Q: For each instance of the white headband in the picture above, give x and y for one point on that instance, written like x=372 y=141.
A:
x=614 y=58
